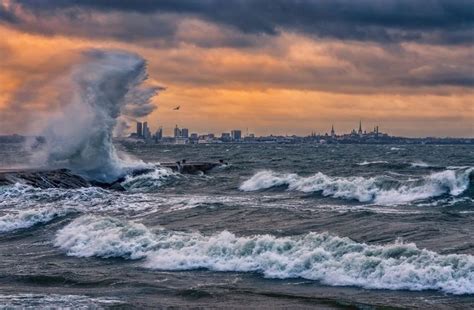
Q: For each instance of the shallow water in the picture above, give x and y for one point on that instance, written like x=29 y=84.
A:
x=281 y=226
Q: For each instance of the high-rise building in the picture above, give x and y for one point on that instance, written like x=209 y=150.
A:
x=236 y=134
x=360 y=128
x=333 y=133
x=177 y=132
x=146 y=130
x=159 y=134
x=185 y=133
x=139 y=129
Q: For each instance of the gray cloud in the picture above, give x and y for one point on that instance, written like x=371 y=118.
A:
x=346 y=68
x=432 y=21
x=381 y=25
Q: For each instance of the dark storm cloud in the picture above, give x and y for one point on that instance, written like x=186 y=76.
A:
x=239 y=24
x=434 y=21
x=7 y=16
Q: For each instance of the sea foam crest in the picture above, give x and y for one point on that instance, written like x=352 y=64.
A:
x=26 y=195
x=29 y=218
x=148 y=181
x=105 y=237
x=329 y=259
x=379 y=189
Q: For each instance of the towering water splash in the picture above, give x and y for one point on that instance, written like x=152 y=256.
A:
x=104 y=86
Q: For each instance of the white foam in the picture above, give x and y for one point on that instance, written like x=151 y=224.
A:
x=437 y=184
x=20 y=195
x=148 y=181
x=323 y=257
x=106 y=237
x=267 y=179
x=29 y=218
x=55 y=301
x=376 y=162
x=376 y=189
x=420 y=164
x=104 y=85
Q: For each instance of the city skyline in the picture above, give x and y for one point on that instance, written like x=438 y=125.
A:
x=374 y=135
x=143 y=130
x=275 y=71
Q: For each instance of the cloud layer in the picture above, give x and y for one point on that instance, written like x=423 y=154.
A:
x=434 y=21
x=387 y=55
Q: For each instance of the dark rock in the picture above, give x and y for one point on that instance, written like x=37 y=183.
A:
x=59 y=178
x=64 y=178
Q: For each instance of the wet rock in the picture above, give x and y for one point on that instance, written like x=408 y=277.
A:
x=58 y=178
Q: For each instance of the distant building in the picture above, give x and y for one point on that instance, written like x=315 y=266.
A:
x=185 y=133
x=193 y=138
x=225 y=137
x=333 y=133
x=180 y=140
x=236 y=135
x=159 y=134
x=139 y=129
x=250 y=138
x=177 y=132
x=146 y=131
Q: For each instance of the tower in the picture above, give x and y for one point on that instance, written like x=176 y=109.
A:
x=159 y=134
x=145 y=130
x=184 y=133
x=360 y=128
x=333 y=133
x=236 y=134
x=139 y=129
x=177 y=132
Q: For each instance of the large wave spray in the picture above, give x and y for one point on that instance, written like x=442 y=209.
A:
x=104 y=86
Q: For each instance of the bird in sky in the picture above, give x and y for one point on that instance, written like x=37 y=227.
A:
x=177 y=108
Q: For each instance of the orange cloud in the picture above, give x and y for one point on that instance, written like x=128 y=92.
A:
x=290 y=84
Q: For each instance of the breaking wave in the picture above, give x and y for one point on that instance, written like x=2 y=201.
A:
x=25 y=195
x=148 y=181
x=332 y=260
x=105 y=86
x=30 y=218
x=399 y=165
x=380 y=190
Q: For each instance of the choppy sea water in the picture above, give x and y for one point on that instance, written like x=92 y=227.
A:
x=282 y=226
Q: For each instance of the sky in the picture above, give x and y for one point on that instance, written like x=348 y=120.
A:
x=266 y=66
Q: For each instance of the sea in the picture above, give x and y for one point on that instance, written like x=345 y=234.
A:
x=278 y=226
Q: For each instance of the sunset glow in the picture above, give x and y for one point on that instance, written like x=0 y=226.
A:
x=283 y=78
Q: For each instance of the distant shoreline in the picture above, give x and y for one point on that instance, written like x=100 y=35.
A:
x=320 y=139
